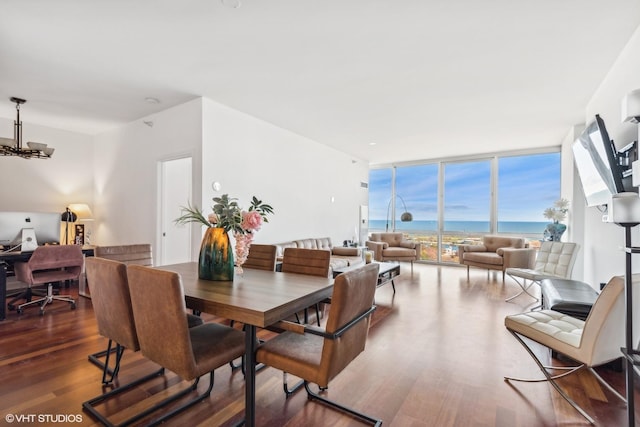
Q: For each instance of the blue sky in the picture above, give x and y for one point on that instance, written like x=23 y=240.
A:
x=527 y=185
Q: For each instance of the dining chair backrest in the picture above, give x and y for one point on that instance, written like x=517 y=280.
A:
x=139 y=254
x=158 y=306
x=111 y=301
x=314 y=262
x=261 y=257
x=353 y=294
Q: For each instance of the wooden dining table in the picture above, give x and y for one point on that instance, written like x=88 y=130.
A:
x=256 y=298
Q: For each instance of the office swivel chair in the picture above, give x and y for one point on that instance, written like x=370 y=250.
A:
x=49 y=265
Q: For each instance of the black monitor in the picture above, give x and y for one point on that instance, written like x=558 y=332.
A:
x=45 y=226
x=596 y=159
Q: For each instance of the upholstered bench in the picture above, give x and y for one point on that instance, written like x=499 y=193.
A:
x=571 y=297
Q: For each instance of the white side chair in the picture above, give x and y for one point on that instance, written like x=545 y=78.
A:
x=554 y=260
x=591 y=343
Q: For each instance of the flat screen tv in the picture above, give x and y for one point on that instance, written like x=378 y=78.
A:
x=596 y=159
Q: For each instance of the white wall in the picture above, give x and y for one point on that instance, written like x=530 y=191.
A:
x=47 y=185
x=295 y=175
x=601 y=252
x=246 y=155
x=126 y=172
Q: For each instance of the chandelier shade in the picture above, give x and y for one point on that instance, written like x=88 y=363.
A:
x=14 y=147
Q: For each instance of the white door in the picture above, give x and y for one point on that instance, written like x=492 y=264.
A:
x=175 y=191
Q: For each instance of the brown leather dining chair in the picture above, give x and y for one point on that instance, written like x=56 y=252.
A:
x=314 y=262
x=138 y=254
x=317 y=355
x=158 y=303
x=48 y=265
x=111 y=303
x=261 y=257
x=112 y=307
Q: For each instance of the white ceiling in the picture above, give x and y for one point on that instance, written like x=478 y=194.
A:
x=420 y=78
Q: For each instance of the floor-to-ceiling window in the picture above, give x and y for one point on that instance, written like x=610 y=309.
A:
x=458 y=201
x=467 y=205
x=417 y=195
x=527 y=185
x=380 y=187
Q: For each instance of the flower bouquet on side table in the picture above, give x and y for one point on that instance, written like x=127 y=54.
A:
x=216 y=261
x=553 y=232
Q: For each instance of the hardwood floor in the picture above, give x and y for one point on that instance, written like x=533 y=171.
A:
x=436 y=356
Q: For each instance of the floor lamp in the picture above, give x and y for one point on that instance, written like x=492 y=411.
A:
x=405 y=217
x=625 y=212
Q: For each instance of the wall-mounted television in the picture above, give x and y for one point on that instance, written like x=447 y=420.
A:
x=596 y=159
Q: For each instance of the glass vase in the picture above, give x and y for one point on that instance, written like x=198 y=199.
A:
x=554 y=232
x=216 y=256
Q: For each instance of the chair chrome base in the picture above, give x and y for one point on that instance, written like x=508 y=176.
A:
x=551 y=379
x=314 y=396
x=525 y=288
x=89 y=405
x=47 y=299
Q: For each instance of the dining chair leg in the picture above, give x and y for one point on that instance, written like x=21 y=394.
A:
x=364 y=417
x=95 y=358
x=289 y=391
x=89 y=406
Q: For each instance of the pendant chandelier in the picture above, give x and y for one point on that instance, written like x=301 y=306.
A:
x=14 y=147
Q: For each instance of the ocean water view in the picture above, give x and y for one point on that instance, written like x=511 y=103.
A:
x=520 y=227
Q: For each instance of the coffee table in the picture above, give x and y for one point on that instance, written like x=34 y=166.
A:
x=388 y=271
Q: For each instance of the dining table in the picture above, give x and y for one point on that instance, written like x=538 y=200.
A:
x=256 y=298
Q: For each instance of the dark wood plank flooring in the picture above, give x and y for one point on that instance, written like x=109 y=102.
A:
x=436 y=356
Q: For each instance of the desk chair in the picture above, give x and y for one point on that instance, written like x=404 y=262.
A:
x=317 y=355
x=554 y=260
x=591 y=343
x=158 y=303
x=314 y=262
x=49 y=265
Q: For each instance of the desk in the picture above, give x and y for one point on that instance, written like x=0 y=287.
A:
x=256 y=298
x=8 y=258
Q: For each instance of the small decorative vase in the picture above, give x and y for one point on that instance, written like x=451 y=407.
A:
x=554 y=231
x=216 y=256
x=243 y=243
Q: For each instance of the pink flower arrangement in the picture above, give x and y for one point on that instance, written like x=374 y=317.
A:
x=251 y=221
x=228 y=215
